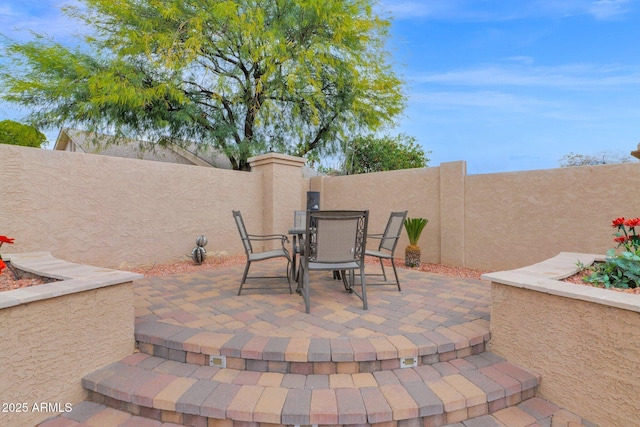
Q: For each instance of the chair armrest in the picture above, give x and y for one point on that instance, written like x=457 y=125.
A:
x=268 y=237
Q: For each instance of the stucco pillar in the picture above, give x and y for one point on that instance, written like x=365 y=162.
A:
x=452 y=216
x=282 y=184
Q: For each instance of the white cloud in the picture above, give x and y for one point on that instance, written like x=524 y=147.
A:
x=455 y=10
x=19 y=19
x=575 y=76
x=527 y=60
x=487 y=11
x=495 y=100
x=415 y=9
x=606 y=9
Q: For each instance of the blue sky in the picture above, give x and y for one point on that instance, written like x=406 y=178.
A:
x=506 y=85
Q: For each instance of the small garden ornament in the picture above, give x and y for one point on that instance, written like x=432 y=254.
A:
x=414 y=227
x=199 y=253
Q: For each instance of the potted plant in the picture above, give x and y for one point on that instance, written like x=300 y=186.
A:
x=414 y=227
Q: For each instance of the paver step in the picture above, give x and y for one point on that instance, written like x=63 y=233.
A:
x=441 y=393
x=534 y=411
x=245 y=351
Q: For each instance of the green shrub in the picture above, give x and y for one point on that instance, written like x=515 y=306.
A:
x=620 y=270
x=414 y=227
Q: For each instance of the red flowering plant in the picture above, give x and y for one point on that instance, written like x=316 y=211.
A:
x=626 y=235
x=620 y=269
x=4 y=239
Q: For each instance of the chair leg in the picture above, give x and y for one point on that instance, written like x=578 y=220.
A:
x=289 y=276
x=345 y=281
x=244 y=276
x=299 y=278
x=384 y=275
x=393 y=264
x=364 y=288
x=305 y=290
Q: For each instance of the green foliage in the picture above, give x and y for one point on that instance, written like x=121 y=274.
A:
x=620 y=270
x=15 y=133
x=247 y=76
x=414 y=227
x=376 y=154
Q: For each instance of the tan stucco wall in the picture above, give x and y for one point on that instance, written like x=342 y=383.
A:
x=415 y=190
x=520 y=218
x=282 y=190
x=115 y=212
x=47 y=347
x=452 y=213
x=587 y=353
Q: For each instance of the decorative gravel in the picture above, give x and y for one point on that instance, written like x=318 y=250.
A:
x=7 y=281
x=577 y=279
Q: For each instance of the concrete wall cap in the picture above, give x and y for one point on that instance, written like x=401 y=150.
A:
x=546 y=277
x=278 y=158
x=72 y=278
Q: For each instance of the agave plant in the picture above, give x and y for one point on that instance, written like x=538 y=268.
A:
x=414 y=227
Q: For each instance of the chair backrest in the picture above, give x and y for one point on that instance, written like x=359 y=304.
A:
x=392 y=231
x=243 y=232
x=299 y=219
x=334 y=237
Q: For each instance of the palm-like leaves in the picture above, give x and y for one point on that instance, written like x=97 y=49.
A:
x=414 y=227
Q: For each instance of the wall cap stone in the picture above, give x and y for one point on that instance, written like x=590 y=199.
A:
x=546 y=275
x=73 y=278
x=277 y=158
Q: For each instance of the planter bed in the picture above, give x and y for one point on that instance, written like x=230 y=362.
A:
x=583 y=341
x=55 y=333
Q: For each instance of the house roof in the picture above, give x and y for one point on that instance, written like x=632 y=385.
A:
x=87 y=142
x=192 y=154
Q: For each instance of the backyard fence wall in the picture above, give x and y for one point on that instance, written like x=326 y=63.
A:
x=496 y=221
x=116 y=212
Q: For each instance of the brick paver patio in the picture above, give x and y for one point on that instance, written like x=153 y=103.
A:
x=338 y=365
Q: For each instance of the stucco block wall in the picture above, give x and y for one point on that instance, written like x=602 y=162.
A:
x=587 y=353
x=521 y=218
x=47 y=347
x=282 y=191
x=415 y=190
x=115 y=212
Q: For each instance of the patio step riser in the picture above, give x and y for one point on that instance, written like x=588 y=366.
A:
x=437 y=420
x=431 y=395
x=305 y=368
x=246 y=351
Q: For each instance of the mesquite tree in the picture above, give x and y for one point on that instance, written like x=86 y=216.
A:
x=246 y=76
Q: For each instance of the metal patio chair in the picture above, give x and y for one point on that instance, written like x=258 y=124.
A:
x=252 y=255
x=299 y=225
x=335 y=241
x=388 y=242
